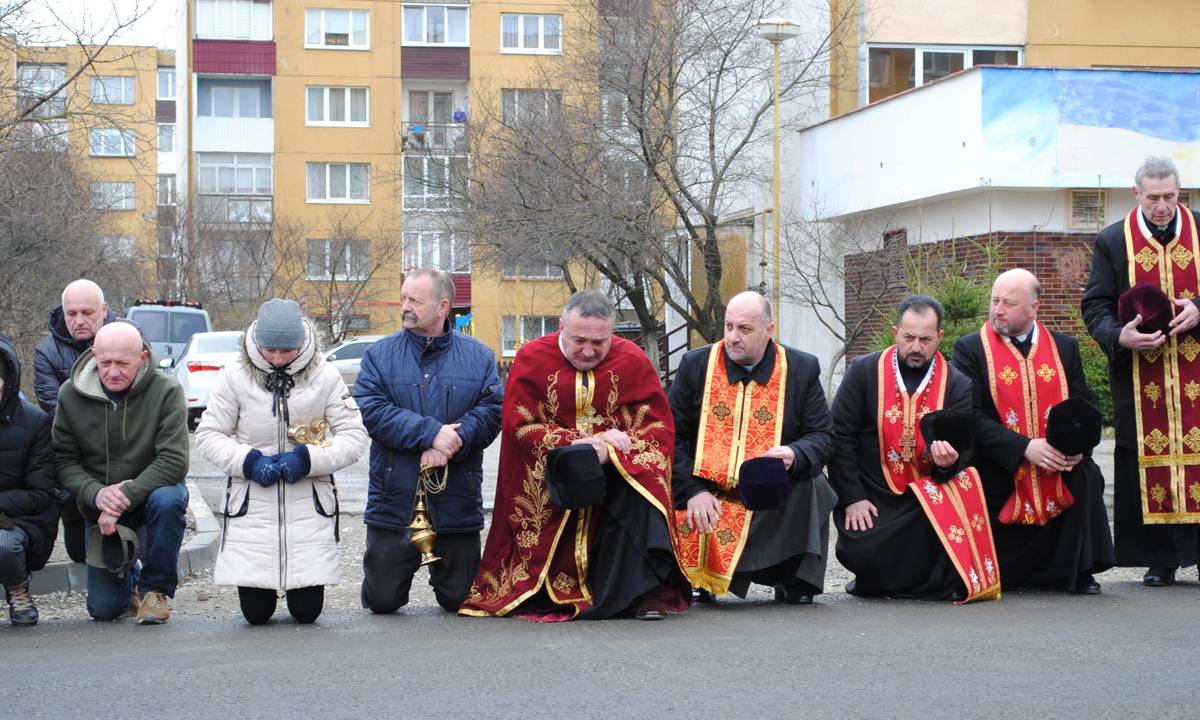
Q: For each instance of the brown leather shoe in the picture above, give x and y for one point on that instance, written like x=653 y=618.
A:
x=154 y=609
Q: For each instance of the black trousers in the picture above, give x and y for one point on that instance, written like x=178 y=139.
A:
x=73 y=531
x=391 y=561
x=304 y=604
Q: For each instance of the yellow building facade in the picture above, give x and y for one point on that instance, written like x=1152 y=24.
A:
x=360 y=112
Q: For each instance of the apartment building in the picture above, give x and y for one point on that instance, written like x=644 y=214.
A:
x=112 y=109
x=326 y=136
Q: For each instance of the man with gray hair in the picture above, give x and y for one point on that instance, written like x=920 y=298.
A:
x=430 y=400
x=583 y=524
x=73 y=325
x=1141 y=306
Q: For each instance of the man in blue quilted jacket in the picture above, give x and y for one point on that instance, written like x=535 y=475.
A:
x=430 y=398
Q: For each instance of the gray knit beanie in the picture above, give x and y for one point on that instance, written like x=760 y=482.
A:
x=279 y=325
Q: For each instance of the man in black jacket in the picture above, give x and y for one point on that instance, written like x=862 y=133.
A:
x=73 y=325
x=1046 y=506
x=776 y=408
x=28 y=504
x=1153 y=374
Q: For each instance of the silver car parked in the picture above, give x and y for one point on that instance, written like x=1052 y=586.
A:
x=347 y=355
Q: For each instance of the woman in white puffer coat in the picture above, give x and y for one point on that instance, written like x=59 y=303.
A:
x=280 y=507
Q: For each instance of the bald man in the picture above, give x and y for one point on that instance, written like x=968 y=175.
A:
x=121 y=448
x=730 y=394
x=1046 y=506
x=73 y=324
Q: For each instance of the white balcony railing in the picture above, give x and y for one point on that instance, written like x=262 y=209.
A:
x=226 y=134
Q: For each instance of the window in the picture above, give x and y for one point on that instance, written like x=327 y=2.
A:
x=531 y=33
x=166 y=189
x=112 y=142
x=520 y=329
x=614 y=110
x=532 y=269
x=439 y=250
x=343 y=29
x=246 y=99
x=430 y=181
x=44 y=135
x=112 y=90
x=1185 y=198
x=118 y=247
x=435 y=25
x=166 y=84
x=113 y=196
x=35 y=83
x=233 y=20
x=339 y=259
x=893 y=69
x=337 y=106
x=1087 y=209
x=234 y=173
x=166 y=137
x=529 y=107
x=339 y=182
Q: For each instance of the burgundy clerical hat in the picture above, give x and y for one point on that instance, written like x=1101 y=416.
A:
x=1149 y=301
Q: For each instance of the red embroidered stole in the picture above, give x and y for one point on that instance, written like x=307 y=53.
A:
x=1024 y=389
x=737 y=421
x=956 y=510
x=1166 y=380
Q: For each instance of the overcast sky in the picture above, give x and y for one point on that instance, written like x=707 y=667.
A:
x=155 y=23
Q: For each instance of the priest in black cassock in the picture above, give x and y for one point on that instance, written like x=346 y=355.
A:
x=1154 y=374
x=742 y=398
x=1047 y=506
x=911 y=518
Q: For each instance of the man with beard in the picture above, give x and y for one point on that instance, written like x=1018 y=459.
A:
x=430 y=400
x=73 y=325
x=1047 y=506
x=583 y=394
x=746 y=397
x=1154 y=374
x=935 y=542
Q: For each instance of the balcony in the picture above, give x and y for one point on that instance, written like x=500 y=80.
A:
x=234 y=57
x=235 y=134
x=440 y=138
x=234 y=209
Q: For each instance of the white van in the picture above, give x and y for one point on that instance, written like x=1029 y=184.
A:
x=168 y=325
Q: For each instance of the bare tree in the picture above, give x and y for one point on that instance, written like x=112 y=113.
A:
x=624 y=156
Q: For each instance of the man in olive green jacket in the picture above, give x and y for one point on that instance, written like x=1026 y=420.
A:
x=121 y=448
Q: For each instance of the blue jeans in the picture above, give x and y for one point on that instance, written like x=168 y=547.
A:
x=12 y=557
x=160 y=523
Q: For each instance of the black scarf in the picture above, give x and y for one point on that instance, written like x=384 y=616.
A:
x=280 y=384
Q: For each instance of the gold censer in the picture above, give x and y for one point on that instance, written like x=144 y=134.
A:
x=421 y=534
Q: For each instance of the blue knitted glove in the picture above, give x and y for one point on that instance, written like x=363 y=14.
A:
x=257 y=467
x=295 y=465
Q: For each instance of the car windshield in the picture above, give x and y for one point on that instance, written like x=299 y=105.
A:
x=217 y=343
x=185 y=325
x=153 y=324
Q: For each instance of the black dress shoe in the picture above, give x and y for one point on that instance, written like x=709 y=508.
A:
x=1159 y=577
x=958 y=595
x=792 y=596
x=852 y=587
x=702 y=596
x=1086 y=585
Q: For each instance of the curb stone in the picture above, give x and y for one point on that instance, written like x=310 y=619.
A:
x=198 y=554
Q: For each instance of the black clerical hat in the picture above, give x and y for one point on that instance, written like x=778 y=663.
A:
x=1149 y=301
x=763 y=483
x=953 y=426
x=574 y=476
x=1073 y=426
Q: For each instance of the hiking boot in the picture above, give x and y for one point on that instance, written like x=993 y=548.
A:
x=21 y=610
x=153 y=610
x=135 y=601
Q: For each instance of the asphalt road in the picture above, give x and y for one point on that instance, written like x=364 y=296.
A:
x=1130 y=653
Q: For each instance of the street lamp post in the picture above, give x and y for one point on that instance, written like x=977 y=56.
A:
x=776 y=31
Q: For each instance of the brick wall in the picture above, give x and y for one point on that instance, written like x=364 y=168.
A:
x=1060 y=261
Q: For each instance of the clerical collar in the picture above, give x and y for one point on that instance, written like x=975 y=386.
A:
x=760 y=372
x=1164 y=234
x=1027 y=338
x=913 y=373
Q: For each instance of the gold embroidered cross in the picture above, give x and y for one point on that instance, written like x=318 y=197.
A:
x=722 y=411
x=763 y=415
x=1156 y=441
x=1192 y=439
x=1153 y=392
x=955 y=533
x=1152 y=355
x=1192 y=390
x=1147 y=258
x=1194 y=492
x=1182 y=256
x=1008 y=375
x=908 y=443
x=893 y=414
x=589 y=420
x=1189 y=348
x=1046 y=373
